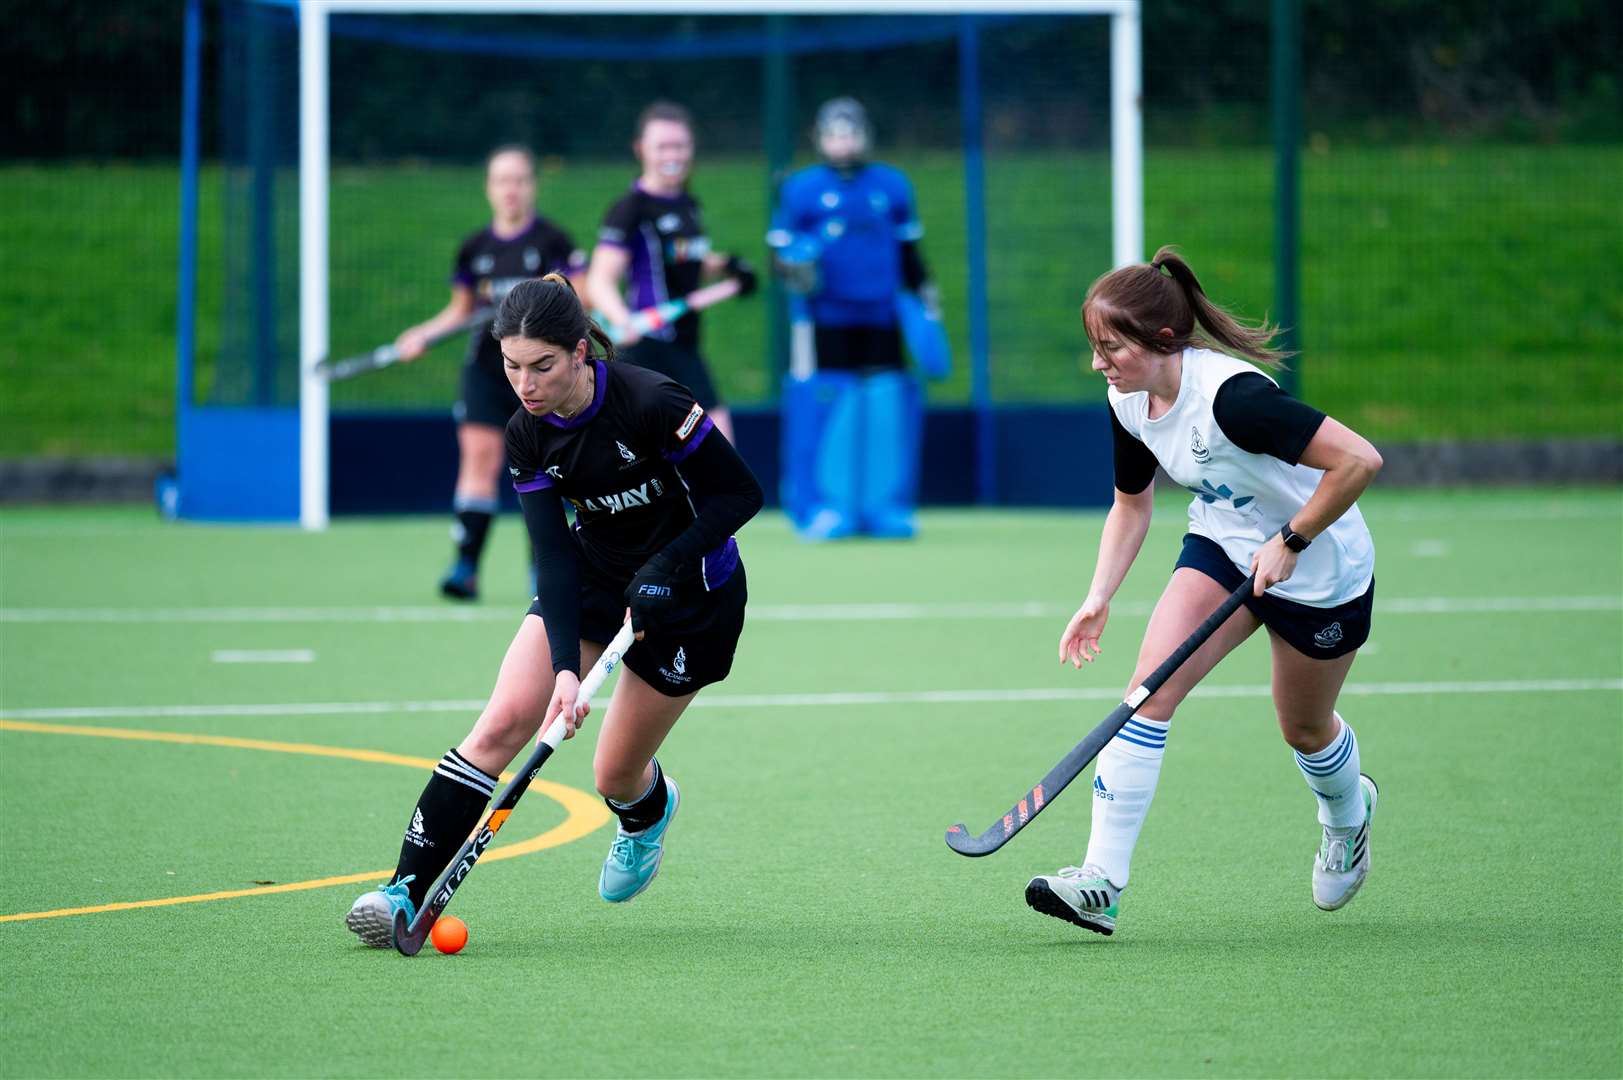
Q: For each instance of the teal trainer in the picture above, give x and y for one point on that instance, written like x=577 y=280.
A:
x=371 y=917
x=634 y=857
x=1342 y=864
x=1081 y=895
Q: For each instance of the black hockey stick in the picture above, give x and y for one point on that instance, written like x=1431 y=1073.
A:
x=1072 y=764
x=409 y=939
x=386 y=355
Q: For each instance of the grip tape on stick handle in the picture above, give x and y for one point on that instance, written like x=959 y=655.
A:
x=554 y=735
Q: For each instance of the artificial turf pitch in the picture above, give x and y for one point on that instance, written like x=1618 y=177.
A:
x=808 y=919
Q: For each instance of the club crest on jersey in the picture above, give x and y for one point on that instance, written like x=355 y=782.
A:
x=1197 y=446
x=830 y=199
x=625 y=454
x=555 y=472
x=690 y=422
x=484 y=264
x=1329 y=637
x=532 y=259
x=668 y=222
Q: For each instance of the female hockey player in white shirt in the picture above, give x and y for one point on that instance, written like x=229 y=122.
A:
x=1275 y=485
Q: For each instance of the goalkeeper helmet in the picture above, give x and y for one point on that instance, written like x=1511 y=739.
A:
x=842 y=131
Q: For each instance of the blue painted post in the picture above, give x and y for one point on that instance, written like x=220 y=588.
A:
x=980 y=375
x=186 y=283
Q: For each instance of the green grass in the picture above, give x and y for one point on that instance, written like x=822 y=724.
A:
x=809 y=920
x=1447 y=291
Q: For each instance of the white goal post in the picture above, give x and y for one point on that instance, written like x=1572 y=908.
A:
x=1126 y=147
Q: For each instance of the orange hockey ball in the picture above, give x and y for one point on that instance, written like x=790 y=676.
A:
x=449 y=934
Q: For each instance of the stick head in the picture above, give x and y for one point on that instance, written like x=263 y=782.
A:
x=960 y=840
x=408 y=941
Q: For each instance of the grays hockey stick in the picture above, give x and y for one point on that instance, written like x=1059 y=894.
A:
x=409 y=939
x=1071 y=765
x=386 y=355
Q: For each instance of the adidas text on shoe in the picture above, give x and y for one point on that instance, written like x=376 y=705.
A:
x=1342 y=863
x=1081 y=895
x=371 y=917
x=634 y=858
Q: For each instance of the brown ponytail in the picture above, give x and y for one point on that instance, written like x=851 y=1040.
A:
x=547 y=309
x=1135 y=302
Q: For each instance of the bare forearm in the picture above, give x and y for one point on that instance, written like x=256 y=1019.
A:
x=1125 y=528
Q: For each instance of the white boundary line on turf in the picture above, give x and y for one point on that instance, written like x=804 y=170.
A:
x=853 y=612
x=825 y=700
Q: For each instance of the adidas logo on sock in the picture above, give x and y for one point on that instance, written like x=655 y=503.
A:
x=1102 y=792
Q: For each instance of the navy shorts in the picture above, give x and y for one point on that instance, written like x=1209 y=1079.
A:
x=859 y=348
x=487 y=397
x=675 y=361
x=1316 y=632
x=693 y=648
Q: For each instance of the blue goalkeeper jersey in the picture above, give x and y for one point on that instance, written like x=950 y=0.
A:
x=859 y=222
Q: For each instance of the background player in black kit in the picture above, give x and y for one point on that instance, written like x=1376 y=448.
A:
x=654 y=237
x=657 y=495
x=517 y=245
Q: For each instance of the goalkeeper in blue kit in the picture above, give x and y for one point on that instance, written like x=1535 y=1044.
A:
x=845 y=239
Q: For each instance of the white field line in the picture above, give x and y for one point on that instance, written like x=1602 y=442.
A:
x=825 y=700
x=263 y=656
x=853 y=612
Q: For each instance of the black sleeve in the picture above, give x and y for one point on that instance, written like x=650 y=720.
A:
x=1135 y=465
x=1260 y=418
x=914 y=273
x=558 y=570
x=726 y=495
x=619 y=224
x=462 y=268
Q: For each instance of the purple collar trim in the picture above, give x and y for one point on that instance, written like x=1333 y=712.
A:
x=637 y=183
x=600 y=384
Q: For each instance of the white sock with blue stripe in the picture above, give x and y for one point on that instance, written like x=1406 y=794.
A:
x=1332 y=775
x=1123 y=784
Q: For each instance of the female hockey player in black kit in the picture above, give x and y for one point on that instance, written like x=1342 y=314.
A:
x=517 y=245
x=657 y=494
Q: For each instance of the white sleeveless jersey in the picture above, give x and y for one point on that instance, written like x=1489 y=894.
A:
x=1241 y=498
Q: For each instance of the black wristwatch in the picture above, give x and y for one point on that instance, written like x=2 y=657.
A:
x=1293 y=539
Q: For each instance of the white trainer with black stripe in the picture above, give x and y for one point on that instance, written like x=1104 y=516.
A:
x=1342 y=863
x=1081 y=895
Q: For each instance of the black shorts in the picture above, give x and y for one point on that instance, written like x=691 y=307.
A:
x=1320 y=633
x=487 y=397
x=855 y=348
x=693 y=649
x=675 y=361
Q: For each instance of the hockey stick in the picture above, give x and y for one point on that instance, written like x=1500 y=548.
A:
x=659 y=316
x=386 y=355
x=409 y=939
x=1072 y=764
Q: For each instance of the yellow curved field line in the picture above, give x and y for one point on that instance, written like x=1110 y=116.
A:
x=585 y=814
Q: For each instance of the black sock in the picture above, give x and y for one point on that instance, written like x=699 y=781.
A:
x=446 y=813
x=473 y=518
x=646 y=810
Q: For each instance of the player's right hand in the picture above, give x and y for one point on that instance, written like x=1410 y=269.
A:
x=1081 y=638
x=626 y=334
x=565 y=692
x=412 y=344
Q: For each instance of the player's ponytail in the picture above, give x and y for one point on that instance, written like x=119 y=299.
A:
x=1135 y=302
x=547 y=309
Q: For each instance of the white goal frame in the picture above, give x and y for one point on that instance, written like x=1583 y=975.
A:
x=1126 y=147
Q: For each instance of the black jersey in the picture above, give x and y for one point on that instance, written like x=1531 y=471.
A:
x=665 y=238
x=618 y=464
x=491 y=266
